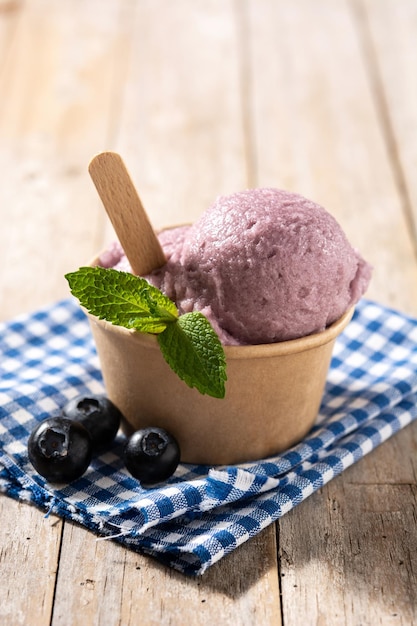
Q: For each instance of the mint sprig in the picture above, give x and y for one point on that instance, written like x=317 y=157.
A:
x=194 y=352
x=188 y=342
x=122 y=299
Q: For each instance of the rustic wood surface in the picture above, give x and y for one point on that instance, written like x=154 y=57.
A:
x=203 y=97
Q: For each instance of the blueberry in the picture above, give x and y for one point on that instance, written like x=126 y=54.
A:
x=151 y=455
x=99 y=416
x=60 y=449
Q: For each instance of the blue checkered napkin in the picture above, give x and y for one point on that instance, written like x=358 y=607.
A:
x=201 y=513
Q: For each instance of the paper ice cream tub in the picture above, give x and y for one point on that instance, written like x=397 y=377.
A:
x=273 y=393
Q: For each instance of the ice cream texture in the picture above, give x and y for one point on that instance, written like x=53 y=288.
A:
x=263 y=265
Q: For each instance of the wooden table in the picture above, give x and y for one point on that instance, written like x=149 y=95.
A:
x=204 y=97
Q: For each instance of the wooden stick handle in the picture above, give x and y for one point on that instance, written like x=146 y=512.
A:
x=126 y=213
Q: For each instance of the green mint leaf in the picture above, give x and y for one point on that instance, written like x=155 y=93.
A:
x=193 y=350
x=122 y=299
x=188 y=343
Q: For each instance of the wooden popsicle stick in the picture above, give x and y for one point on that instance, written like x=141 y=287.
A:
x=126 y=213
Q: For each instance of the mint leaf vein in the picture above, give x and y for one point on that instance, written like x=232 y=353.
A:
x=193 y=350
x=188 y=342
x=122 y=299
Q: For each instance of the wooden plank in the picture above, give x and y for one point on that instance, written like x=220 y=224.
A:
x=181 y=137
x=335 y=576
x=389 y=37
x=359 y=546
x=181 y=130
x=9 y=17
x=211 y=98
x=29 y=551
x=110 y=585
x=316 y=130
x=57 y=114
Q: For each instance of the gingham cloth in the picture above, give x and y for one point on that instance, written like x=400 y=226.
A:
x=201 y=513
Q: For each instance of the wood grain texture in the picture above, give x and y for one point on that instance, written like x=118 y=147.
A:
x=126 y=213
x=359 y=545
x=327 y=140
x=206 y=98
x=181 y=122
x=392 y=46
x=48 y=136
x=29 y=557
x=116 y=586
x=200 y=132
x=321 y=135
x=51 y=218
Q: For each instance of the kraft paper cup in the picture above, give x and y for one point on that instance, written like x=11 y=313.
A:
x=273 y=393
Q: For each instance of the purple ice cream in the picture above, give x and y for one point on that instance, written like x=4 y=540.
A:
x=264 y=265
